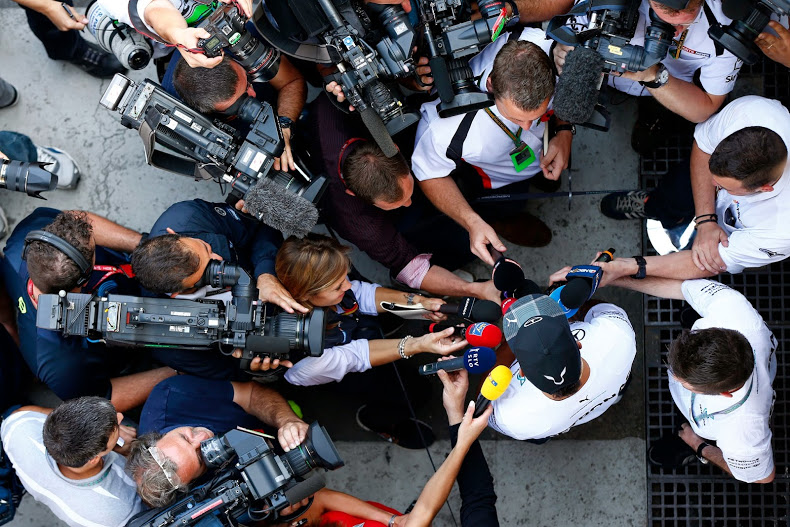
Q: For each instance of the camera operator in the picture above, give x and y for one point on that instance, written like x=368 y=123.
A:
x=315 y=270
x=165 y=459
x=72 y=366
x=371 y=201
x=218 y=91
x=57 y=25
x=473 y=154
x=671 y=86
x=71 y=459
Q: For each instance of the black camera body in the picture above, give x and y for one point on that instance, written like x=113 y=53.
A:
x=258 y=328
x=226 y=26
x=610 y=28
x=749 y=19
x=252 y=479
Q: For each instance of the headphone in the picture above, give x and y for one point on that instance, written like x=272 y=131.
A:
x=63 y=246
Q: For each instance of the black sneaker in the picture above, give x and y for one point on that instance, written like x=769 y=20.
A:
x=97 y=62
x=408 y=433
x=14 y=97
x=625 y=205
x=670 y=453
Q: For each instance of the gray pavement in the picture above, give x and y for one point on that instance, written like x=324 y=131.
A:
x=593 y=476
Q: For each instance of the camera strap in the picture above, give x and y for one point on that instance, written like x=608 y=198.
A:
x=522 y=155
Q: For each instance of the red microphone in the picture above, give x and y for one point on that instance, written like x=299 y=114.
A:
x=506 y=304
x=479 y=334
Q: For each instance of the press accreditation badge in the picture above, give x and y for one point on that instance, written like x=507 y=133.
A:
x=522 y=156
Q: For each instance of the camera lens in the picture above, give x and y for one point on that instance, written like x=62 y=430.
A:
x=31 y=178
x=215 y=453
x=317 y=451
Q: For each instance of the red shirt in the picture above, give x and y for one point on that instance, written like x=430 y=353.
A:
x=346 y=520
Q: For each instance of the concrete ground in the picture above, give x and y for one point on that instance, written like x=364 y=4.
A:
x=593 y=475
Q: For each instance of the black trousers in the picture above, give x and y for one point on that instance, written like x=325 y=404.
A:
x=672 y=202
x=60 y=45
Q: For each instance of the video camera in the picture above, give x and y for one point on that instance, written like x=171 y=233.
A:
x=258 y=328
x=449 y=35
x=259 y=482
x=226 y=26
x=749 y=19
x=194 y=146
x=611 y=26
x=131 y=48
x=31 y=178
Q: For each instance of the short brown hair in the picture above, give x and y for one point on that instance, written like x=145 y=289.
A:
x=712 y=360
x=749 y=155
x=49 y=268
x=311 y=264
x=372 y=176
x=205 y=88
x=524 y=74
x=691 y=7
x=162 y=263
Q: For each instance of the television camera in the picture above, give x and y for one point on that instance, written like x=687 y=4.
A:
x=749 y=19
x=255 y=327
x=251 y=479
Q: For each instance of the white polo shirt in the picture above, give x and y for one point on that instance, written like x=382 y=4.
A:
x=608 y=346
x=742 y=435
x=718 y=68
x=487 y=147
x=757 y=225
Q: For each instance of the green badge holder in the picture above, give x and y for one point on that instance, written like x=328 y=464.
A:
x=522 y=156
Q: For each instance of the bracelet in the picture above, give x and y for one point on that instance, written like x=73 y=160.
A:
x=402 y=347
x=642 y=271
x=714 y=216
x=711 y=220
x=392 y=520
x=700 y=448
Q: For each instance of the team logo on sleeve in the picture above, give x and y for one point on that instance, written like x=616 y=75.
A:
x=770 y=253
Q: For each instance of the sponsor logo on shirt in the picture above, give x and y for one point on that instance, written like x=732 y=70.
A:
x=771 y=253
x=578 y=333
x=695 y=52
x=220 y=211
x=22 y=306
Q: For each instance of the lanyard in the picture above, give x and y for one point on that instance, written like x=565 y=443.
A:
x=705 y=415
x=681 y=40
x=516 y=138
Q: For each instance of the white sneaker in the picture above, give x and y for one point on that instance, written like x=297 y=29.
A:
x=63 y=166
x=3 y=224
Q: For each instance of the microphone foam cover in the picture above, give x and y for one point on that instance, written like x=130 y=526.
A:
x=575 y=293
x=280 y=209
x=506 y=304
x=507 y=274
x=483 y=334
x=577 y=88
x=555 y=295
x=496 y=383
x=527 y=287
x=486 y=311
x=479 y=359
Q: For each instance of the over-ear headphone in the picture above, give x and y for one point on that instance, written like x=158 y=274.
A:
x=63 y=246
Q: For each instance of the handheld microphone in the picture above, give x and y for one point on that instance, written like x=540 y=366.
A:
x=473 y=309
x=582 y=283
x=577 y=88
x=493 y=387
x=477 y=334
x=506 y=304
x=556 y=296
x=507 y=274
x=280 y=209
x=526 y=287
x=475 y=360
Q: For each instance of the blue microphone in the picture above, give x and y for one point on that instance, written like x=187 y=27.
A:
x=556 y=296
x=475 y=360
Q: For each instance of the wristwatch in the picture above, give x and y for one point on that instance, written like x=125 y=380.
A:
x=642 y=270
x=285 y=122
x=569 y=127
x=700 y=448
x=662 y=77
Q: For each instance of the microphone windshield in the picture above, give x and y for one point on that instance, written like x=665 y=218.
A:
x=483 y=334
x=479 y=360
x=486 y=311
x=555 y=295
x=507 y=274
x=575 y=293
x=496 y=383
x=280 y=209
x=577 y=88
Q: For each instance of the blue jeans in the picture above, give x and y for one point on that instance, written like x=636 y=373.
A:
x=18 y=147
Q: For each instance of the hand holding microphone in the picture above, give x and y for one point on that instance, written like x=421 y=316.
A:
x=473 y=309
x=583 y=280
x=441 y=343
x=477 y=334
x=475 y=360
x=493 y=387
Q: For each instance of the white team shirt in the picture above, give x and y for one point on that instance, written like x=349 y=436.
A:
x=756 y=224
x=698 y=52
x=487 y=147
x=608 y=346
x=337 y=361
x=742 y=435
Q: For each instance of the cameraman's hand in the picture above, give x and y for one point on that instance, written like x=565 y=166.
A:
x=423 y=72
x=705 y=249
x=260 y=364
x=3 y=156
x=60 y=18
x=481 y=234
x=286 y=161
x=271 y=290
x=456 y=384
x=337 y=90
x=471 y=429
x=560 y=52
x=776 y=48
x=442 y=343
x=292 y=434
x=188 y=38
x=245 y=5
x=648 y=75
x=405 y=4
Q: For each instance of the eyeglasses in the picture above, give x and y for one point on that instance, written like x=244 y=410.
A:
x=160 y=458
